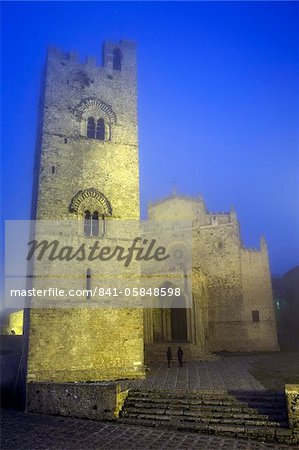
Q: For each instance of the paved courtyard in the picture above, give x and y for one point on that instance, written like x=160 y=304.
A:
x=22 y=431
x=230 y=372
x=220 y=375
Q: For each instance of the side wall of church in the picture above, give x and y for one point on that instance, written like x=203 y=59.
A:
x=239 y=290
x=258 y=300
x=216 y=251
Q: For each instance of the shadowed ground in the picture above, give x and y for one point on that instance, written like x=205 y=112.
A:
x=231 y=372
x=37 y=432
x=275 y=370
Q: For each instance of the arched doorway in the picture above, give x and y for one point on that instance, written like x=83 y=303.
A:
x=178 y=318
x=179 y=324
x=170 y=323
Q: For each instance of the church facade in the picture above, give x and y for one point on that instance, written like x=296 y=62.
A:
x=87 y=170
x=232 y=305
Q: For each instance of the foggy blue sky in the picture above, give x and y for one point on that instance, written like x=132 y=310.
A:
x=218 y=103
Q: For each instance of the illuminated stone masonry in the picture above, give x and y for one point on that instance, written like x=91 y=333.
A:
x=87 y=170
x=232 y=305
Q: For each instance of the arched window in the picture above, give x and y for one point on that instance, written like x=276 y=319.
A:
x=91 y=128
x=100 y=134
x=87 y=223
x=116 y=59
x=95 y=224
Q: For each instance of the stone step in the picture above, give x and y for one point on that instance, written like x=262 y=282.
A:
x=264 y=433
x=257 y=414
x=204 y=402
x=233 y=407
x=254 y=421
x=265 y=403
x=251 y=414
x=207 y=402
x=175 y=393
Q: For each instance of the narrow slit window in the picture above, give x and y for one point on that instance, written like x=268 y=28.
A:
x=53 y=169
x=255 y=316
x=88 y=284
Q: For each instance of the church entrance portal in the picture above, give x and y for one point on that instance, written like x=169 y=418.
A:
x=178 y=324
x=170 y=324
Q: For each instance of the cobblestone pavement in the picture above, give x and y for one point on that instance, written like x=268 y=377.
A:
x=21 y=431
x=229 y=373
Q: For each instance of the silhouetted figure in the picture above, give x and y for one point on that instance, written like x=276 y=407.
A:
x=169 y=356
x=180 y=356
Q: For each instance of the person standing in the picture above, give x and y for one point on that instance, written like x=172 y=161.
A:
x=180 y=356
x=169 y=356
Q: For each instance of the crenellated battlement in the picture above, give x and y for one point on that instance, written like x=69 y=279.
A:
x=250 y=250
x=263 y=248
x=54 y=52
x=116 y=56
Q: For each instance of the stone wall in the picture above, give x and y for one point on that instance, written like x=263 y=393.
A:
x=79 y=162
x=237 y=281
x=257 y=293
x=292 y=398
x=97 y=401
x=82 y=344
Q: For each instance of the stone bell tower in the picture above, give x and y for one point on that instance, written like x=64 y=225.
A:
x=87 y=171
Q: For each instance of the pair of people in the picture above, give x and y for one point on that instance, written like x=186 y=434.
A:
x=180 y=354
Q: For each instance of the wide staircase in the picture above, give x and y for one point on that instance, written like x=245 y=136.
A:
x=157 y=352
x=257 y=415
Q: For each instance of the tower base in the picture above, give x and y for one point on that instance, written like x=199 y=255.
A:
x=97 y=401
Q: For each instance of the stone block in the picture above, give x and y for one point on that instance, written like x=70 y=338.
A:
x=292 y=397
x=98 y=401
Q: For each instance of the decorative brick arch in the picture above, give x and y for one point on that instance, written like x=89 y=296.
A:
x=93 y=104
x=90 y=194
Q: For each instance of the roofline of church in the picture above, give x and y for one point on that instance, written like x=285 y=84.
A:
x=198 y=199
x=173 y=196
